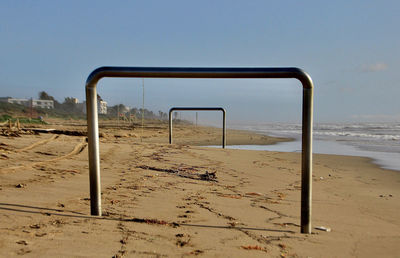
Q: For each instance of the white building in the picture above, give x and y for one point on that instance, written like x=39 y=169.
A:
x=14 y=101
x=42 y=103
x=101 y=107
x=30 y=102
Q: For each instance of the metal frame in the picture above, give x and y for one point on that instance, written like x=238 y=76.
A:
x=179 y=72
x=199 y=109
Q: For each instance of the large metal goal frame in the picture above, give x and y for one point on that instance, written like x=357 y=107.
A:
x=199 y=109
x=206 y=72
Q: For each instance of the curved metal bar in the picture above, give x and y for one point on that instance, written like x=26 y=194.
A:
x=199 y=72
x=199 y=109
x=179 y=72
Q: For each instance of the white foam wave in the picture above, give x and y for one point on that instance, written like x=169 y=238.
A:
x=360 y=135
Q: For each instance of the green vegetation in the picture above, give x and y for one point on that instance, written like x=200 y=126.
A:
x=22 y=120
x=8 y=108
x=60 y=113
x=21 y=111
x=4 y=118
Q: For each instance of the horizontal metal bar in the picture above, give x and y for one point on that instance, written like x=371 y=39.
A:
x=200 y=72
x=197 y=109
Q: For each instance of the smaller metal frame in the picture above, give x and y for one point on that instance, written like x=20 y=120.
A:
x=199 y=109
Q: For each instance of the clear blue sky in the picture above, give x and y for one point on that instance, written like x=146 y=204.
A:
x=351 y=49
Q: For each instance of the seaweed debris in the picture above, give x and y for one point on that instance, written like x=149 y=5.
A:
x=185 y=172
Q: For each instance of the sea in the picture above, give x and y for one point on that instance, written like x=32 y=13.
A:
x=378 y=141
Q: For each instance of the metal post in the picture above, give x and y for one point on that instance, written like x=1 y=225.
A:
x=223 y=128
x=200 y=109
x=306 y=161
x=170 y=126
x=179 y=72
x=93 y=149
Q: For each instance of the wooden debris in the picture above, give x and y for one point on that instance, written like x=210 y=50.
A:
x=35 y=226
x=254 y=194
x=149 y=221
x=233 y=224
x=282 y=246
x=186 y=172
x=22 y=242
x=196 y=252
x=208 y=176
x=20 y=185
x=253 y=247
x=231 y=196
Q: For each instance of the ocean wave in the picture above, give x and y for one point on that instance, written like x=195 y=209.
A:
x=360 y=135
x=346 y=131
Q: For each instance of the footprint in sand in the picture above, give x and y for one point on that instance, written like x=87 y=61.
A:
x=182 y=239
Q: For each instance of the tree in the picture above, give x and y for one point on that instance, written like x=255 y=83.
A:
x=69 y=104
x=69 y=100
x=134 y=111
x=162 y=115
x=44 y=96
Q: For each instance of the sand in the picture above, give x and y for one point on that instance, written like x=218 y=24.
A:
x=162 y=200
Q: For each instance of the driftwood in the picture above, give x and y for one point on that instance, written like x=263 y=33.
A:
x=11 y=129
x=56 y=131
x=185 y=172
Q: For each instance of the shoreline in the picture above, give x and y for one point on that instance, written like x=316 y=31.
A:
x=204 y=135
x=386 y=160
x=362 y=140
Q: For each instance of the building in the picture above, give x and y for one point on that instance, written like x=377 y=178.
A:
x=41 y=103
x=101 y=107
x=24 y=102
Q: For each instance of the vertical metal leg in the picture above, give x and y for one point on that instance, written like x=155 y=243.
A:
x=306 y=161
x=224 y=129
x=170 y=126
x=93 y=149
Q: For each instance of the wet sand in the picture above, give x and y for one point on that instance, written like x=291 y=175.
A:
x=157 y=201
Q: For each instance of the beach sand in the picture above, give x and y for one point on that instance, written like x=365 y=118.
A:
x=162 y=200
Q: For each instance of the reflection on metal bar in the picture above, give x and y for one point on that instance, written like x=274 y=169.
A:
x=179 y=72
x=199 y=109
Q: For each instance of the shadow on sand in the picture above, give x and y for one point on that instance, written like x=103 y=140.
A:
x=73 y=214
